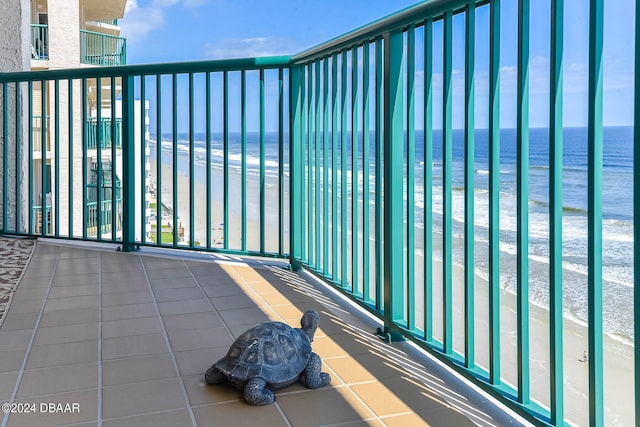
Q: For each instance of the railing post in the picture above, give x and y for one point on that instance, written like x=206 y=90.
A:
x=128 y=165
x=295 y=171
x=393 y=292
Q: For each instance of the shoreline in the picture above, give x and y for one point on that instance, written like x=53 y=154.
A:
x=618 y=356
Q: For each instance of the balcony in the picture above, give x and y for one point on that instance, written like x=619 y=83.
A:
x=331 y=160
x=102 y=49
x=39 y=42
x=105 y=132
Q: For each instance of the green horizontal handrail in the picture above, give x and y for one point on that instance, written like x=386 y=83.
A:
x=102 y=49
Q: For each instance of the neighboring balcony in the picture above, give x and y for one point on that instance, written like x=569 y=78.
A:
x=95 y=48
x=39 y=42
x=106 y=135
x=102 y=49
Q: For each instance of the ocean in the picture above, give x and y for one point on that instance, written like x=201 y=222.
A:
x=617 y=206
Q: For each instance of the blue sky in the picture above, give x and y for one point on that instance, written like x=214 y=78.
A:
x=187 y=30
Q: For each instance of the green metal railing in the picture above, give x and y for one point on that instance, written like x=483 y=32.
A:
x=39 y=41
x=102 y=49
x=102 y=132
x=322 y=157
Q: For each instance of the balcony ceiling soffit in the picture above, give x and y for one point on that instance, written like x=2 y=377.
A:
x=96 y=10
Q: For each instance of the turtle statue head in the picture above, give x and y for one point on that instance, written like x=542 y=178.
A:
x=309 y=323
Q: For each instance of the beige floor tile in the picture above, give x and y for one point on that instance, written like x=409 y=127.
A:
x=66 y=333
x=178 y=273
x=184 y=307
x=137 y=369
x=42 y=356
x=175 y=418
x=135 y=345
x=80 y=376
x=70 y=316
x=236 y=302
x=129 y=311
x=196 y=362
x=226 y=414
x=172 y=283
x=199 y=338
x=29 y=293
x=11 y=360
x=322 y=407
x=126 y=286
x=177 y=294
x=16 y=321
x=123 y=277
x=86 y=301
x=15 y=339
x=74 y=291
x=141 y=397
x=125 y=298
x=86 y=401
x=216 y=291
x=26 y=306
x=7 y=384
x=349 y=370
x=128 y=327
x=76 y=279
x=181 y=322
x=246 y=316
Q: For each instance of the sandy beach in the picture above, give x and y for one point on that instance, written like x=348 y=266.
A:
x=618 y=357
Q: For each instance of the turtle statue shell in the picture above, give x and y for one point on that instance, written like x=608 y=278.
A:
x=272 y=350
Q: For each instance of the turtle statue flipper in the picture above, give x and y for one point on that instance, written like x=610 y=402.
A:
x=257 y=393
x=312 y=376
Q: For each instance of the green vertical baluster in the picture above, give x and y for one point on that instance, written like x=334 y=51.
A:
x=57 y=157
x=281 y=160
x=411 y=178
x=307 y=132
x=334 y=167
x=5 y=152
x=30 y=163
x=243 y=156
x=84 y=137
x=594 y=255
x=379 y=212
x=494 y=193
x=366 y=146
x=70 y=133
x=128 y=164
x=174 y=156
x=428 y=180
x=262 y=183
x=393 y=171
x=18 y=148
x=225 y=155
x=159 y=159
x=447 y=197
x=555 y=215
x=469 y=185
x=207 y=119
x=43 y=149
x=192 y=172
x=295 y=170
x=343 y=162
x=355 y=263
x=325 y=167
x=114 y=198
x=316 y=190
x=99 y=146
x=522 y=152
x=143 y=160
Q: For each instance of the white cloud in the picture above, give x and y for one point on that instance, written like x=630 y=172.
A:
x=249 y=47
x=139 y=21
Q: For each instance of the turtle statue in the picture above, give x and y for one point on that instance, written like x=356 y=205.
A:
x=270 y=356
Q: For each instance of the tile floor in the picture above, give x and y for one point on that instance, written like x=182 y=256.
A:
x=124 y=339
